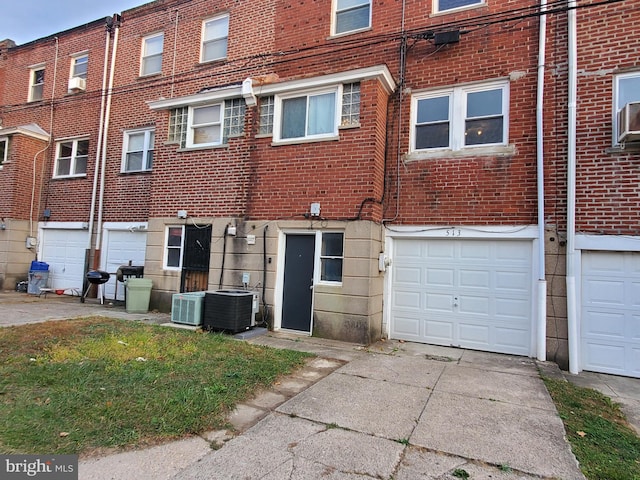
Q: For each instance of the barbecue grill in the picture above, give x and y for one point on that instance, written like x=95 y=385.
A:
x=96 y=277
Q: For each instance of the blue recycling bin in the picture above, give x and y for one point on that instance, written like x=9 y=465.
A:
x=38 y=277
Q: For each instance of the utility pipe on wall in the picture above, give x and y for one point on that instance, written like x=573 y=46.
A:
x=541 y=343
x=572 y=314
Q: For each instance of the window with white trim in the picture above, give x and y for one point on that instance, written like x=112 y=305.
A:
x=626 y=89
x=351 y=16
x=79 y=65
x=137 y=150
x=4 y=150
x=36 y=84
x=174 y=243
x=460 y=117
x=71 y=158
x=445 y=5
x=331 y=257
x=215 y=32
x=151 y=57
x=306 y=116
x=205 y=126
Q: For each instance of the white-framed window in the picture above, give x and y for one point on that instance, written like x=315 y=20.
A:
x=79 y=64
x=137 y=150
x=215 y=32
x=626 y=89
x=446 y=5
x=205 y=126
x=151 y=56
x=460 y=117
x=4 y=150
x=36 y=84
x=174 y=243
x=311 y=115
x=331 y=257
x=71 y=158
x=351 y=16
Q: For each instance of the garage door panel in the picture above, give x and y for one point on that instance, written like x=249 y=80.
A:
x=439 y=332
x=601 y=323
x=470 y=305
x=407 y=300
x=440 y=277
x=605 y=292
x=437 y=250
x=609 y=358
x=473 y=334
x=64 y=251
x=408 y=327
x=408 y=275
x=474 y=279
x=514 y=309
x=439 y=302
x=512 y=281
x=517 y=340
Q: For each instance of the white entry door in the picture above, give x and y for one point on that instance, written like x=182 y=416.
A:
x=122 y=247
x=467 y=293
x=610 y=312
x=64 y=251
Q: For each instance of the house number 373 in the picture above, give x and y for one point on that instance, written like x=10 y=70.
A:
x=454 y=232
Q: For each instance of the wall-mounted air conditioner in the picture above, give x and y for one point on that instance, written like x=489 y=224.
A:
x=629 y=123
x=77 y=84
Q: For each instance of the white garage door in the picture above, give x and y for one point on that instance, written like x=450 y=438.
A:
x=122 y=248
x=610 y=320
x=467 y=293
x=64 y=251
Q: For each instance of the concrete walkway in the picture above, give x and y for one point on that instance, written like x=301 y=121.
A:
x=393 y=410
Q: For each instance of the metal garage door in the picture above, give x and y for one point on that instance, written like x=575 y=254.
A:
x=64 y=251
x=468 y=293
x=610 y=319
x=122 y=247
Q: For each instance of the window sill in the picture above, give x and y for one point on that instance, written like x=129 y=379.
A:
x=133 y=172
x=619 y=150
x=495 y=151
x=69 y=177
x=146 y=76
x=349 y=126
x=350 y=32
x=295 y=141
x=204 y=147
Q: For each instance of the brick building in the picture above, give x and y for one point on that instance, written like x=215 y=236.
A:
x=370 y=168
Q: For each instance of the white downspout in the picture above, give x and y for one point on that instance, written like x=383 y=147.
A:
x=100 y=132
x=541 y=353
x=107 y=117
x=572 y=314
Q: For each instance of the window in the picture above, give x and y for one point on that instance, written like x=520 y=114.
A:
x=351 y=15
x=178 y=126
x=36 y=84
x=138 y=150
x=331 y=257
x=71 y=158
x=205 y=126
x=443 y=5
x=214 y=38
x=173 y=250
x=350 y=105
x=79 y=66
x=307 y=117
x=626 y=89
x=4 y=150
x=151 y=58
x=266 y=115
x=234 y=111
x=460 y=117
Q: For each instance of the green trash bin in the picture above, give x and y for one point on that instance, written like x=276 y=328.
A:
x=138 y=291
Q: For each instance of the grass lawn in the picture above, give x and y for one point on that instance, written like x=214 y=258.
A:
x=606 y=447
x=78 y=385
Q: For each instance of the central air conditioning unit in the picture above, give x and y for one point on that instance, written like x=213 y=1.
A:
x=230 y=310
x=629 y=123
x=187 y=308
x=77 y=84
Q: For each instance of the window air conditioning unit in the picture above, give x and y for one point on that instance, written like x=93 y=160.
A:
x=629 y=123
x=187 y=308
x=77 y=84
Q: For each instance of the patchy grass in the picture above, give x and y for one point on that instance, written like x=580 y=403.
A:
x=602 y=441
x=79 y=385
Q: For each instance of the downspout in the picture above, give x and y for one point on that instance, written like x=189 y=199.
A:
x=96 y=171
x=103 y=159
x=572 y=315
x=541 y=350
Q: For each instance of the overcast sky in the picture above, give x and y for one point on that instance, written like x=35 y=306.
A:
x=25 y=20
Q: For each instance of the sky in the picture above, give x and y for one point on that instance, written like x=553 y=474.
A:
x=25 y=20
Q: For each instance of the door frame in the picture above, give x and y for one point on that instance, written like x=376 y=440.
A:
x=279 y=290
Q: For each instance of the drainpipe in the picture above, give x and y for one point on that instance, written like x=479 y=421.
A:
x=541 y=343
x=107 y=115
x=572 y=315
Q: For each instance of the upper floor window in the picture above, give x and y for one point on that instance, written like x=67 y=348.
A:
x=234 y=111
x=151 y=58
x=79 y=65
x=460 y=117
x=207 y=125
x=178 y=126
x=4 y=150
x=626 y=90
x=266 y=115
x=307 y=116
x=137 y=150
x=331 y=257
x=351 y=15
x=36 y=84
x=71 y=158
x=444 y=5
x=350 y=105
x=214 y=38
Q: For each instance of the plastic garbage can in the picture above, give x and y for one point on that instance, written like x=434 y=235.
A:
x=38 y=277
x=138 y=295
